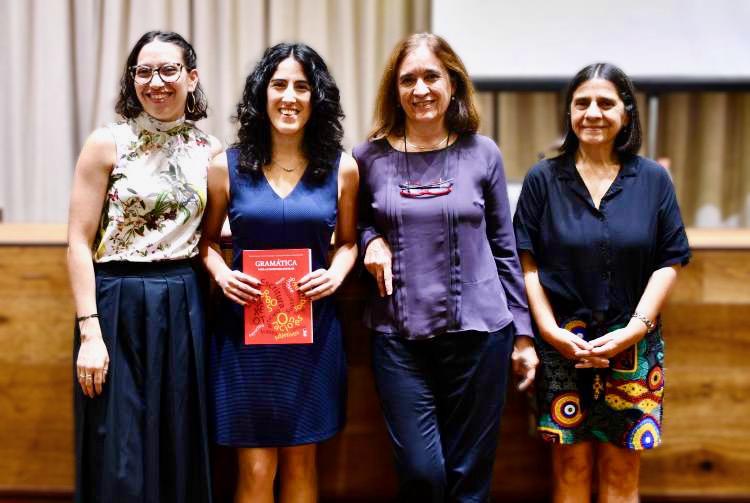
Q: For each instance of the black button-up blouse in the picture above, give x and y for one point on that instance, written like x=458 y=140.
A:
x=594 y=264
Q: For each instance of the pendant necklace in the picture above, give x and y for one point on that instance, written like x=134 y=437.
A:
x=416 y=190
x=288 y=170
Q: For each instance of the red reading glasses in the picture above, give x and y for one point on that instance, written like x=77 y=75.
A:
x=422 y=191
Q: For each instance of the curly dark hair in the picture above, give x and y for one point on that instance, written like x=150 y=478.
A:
x=321 y=142
x=628 y=140
x=127 y=103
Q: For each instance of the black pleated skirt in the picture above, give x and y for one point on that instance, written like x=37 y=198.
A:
x=144 y=439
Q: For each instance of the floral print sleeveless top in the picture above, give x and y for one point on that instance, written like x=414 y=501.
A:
x=156 y=193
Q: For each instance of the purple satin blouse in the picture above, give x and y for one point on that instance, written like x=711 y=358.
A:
x=455 y=265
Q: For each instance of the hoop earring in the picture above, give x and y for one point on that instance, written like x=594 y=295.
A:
x=188 y=107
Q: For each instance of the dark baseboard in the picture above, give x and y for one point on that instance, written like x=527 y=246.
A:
x=67 y=497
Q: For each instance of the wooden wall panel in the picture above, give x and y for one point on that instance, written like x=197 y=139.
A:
x=36 y=323
x=706 y=447
x=706 y=450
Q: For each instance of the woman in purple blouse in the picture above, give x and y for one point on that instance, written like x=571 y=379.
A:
x=450 y=306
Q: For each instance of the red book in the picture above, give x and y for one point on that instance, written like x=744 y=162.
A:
x=282 y=315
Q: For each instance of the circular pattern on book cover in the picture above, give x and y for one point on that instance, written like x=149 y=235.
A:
x=655 y=378
x=644 y=434
x=577 y=327
x=566 y=410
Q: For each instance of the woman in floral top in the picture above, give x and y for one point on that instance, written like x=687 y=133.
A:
x=138 y=197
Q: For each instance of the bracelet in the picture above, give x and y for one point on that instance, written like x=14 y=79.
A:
x=84 y=318
x=650 y=325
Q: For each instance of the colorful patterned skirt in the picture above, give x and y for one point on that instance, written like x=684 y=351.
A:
x=621 y=404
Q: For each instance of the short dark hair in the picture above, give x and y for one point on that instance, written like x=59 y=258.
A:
x=323 y=132
x=127 y=103
x=462 y=115
x=628 y=140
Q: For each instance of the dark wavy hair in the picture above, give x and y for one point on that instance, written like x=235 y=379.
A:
x=128 y=104
x=460 y=117
x=628 y=140
x=323 y=132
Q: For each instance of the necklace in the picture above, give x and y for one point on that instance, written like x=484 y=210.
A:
x=417 y=190
x=426 y=147
x=288 y=170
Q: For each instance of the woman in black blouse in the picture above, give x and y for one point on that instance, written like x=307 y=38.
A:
x=601 y=239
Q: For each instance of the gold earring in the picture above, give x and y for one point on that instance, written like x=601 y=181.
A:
x=190 y=108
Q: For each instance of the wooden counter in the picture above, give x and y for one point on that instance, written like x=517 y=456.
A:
x=706 y=451
x=56 y=235
x=33 y=234
x=36 y=324
x=719 y=239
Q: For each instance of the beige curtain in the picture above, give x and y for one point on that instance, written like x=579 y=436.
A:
x=63 y=58
x=707 y=138
x=62 y=61
x=38 y=136
x=525 y=125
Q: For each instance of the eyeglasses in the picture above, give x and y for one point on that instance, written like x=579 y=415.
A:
x=441 y=187
x=422 y=191
x=168 y=72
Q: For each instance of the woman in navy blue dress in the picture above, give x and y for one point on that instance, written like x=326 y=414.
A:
x=285 y=184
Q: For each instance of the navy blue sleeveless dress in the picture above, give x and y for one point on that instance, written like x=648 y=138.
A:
x=288 y=394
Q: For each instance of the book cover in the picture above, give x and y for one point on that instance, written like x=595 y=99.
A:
x=282 y=315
